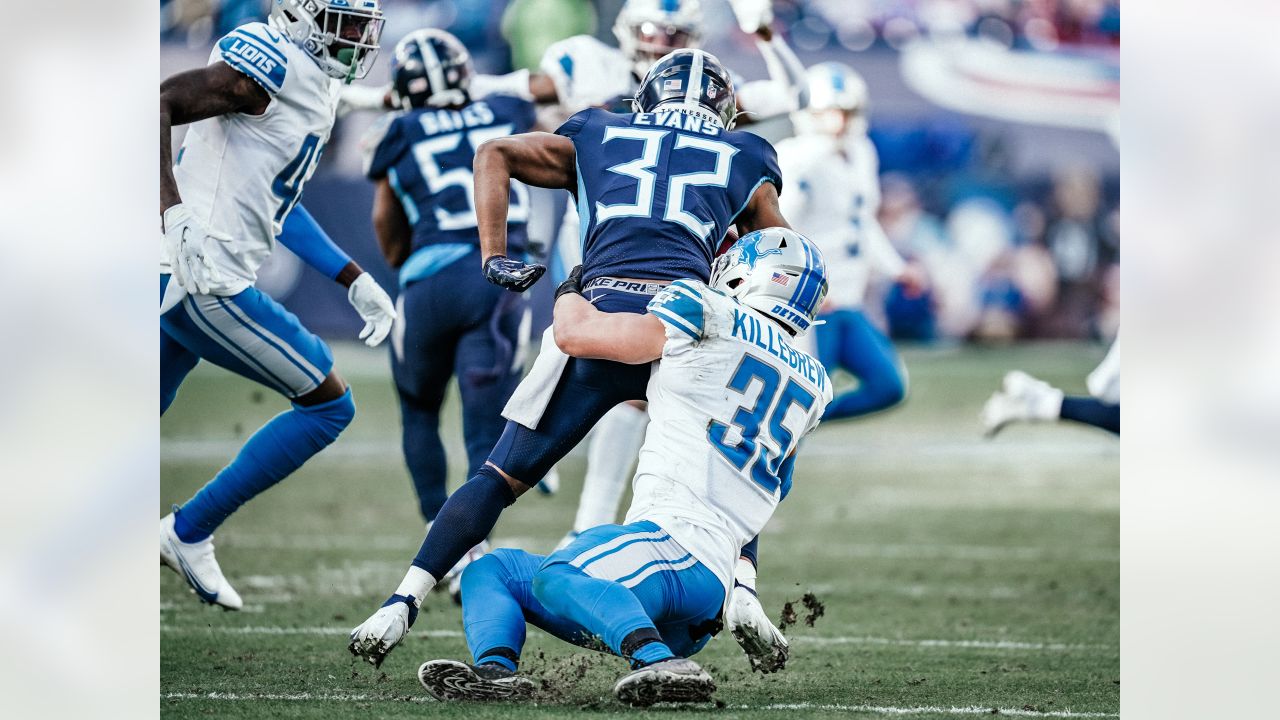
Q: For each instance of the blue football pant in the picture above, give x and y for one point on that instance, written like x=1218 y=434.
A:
x=253 y=336
x=848 y=340
x=454 y=323
x=612 y=581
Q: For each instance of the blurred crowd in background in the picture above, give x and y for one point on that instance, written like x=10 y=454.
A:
x=1017 y=226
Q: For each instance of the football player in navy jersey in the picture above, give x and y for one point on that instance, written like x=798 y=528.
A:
x=451 y=322
x=658 y=190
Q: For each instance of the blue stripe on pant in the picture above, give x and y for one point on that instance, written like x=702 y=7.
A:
x=848 y=340
x=454 y=323
x=611 y=581
x=249 y=334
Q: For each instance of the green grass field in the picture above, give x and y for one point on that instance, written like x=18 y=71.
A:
x=959 y=576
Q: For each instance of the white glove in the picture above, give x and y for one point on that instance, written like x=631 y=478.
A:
x=374 y=638
x=752 y=14
x=375 y=308
x=186 y=241
x=765 y=645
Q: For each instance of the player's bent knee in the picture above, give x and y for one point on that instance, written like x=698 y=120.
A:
x=330 y=418
x=551 y=583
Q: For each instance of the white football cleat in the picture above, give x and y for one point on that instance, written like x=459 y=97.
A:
x=677 y=680
x=1021 y=398
x=550 y=484
x=195 y=562
x=454 y=576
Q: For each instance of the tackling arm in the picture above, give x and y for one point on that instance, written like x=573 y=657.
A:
x=194 y=95
x=583 y=331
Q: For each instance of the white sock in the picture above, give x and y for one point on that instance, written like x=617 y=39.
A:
x=612 y=454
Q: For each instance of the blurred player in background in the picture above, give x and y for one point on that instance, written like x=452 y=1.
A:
x=833 y=171
x=450 y=321
x=712 y=471
x=659 y=189
x=1023 y=398
x=263 y=107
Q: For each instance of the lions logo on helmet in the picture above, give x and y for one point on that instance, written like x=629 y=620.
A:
x=691 y=81
x=431 y=68
x=776 y=271
x=341 y=35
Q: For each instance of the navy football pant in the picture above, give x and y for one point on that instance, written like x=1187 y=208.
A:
x=586 y=391
x=454 y=323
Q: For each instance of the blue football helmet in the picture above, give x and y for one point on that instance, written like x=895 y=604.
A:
x=431 y=68
x=776 y=271
x=692 y=81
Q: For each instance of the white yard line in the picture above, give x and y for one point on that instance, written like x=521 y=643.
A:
x=890 y=710
x=803 y=639
x=881 y=709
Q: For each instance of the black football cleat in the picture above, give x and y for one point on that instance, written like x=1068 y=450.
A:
x=453 y=680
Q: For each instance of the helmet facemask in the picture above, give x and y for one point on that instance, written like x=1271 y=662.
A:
x=343 y=40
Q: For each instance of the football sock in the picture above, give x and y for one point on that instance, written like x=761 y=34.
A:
x=492 y=617
x=607 y=609
x=273 y=452
x=1091 y=411
x=612 y=454
x=466 y=518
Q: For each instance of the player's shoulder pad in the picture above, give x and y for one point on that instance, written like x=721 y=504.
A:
x=380 y=145
x=258 y=51
x=520 y=112
x=761 y=152
x=577 y=54
x=579 y=120
x=681 y=306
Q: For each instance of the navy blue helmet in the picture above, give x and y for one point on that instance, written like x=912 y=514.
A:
x=431 y=68
x=691 y=80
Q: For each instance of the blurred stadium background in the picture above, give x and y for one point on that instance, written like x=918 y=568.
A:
x=994 y=120
x=958 y=575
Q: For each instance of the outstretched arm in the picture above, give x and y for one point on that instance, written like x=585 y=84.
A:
x=194 y=95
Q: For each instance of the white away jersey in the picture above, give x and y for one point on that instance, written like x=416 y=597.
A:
x=587 y=73
x=728 y=404
x=833 y=200
x=242 y=174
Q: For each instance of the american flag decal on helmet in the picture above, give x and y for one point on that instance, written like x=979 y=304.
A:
x=781 y=278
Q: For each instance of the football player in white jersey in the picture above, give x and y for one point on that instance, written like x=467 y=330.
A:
x=1023 y=398
x=262 y=111
x=730 y=401
x=832 y=169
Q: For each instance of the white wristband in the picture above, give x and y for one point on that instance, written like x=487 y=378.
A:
x=745 y=573
x=416 y=584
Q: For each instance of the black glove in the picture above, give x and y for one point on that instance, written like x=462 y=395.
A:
x=571 y=284
x=512 y=274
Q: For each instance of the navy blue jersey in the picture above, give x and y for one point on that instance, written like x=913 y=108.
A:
x=658 y=191
x=426 y=155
